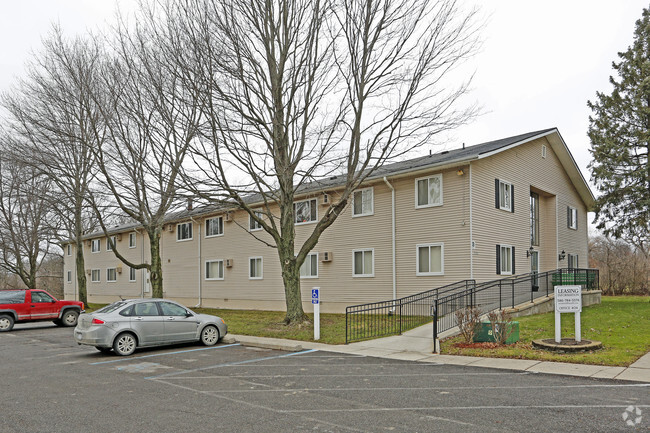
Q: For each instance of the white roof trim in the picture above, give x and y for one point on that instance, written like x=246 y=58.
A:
x=519 y=143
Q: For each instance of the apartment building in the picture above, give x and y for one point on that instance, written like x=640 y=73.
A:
x=500 y=208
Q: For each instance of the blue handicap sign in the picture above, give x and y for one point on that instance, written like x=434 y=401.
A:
x=314 y=296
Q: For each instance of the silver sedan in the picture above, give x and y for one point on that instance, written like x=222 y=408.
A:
x=124 y=326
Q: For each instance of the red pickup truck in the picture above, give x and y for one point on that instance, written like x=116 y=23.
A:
x=36 y=305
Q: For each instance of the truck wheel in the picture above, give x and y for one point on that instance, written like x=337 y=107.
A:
x=69 y=318
x=6 y=323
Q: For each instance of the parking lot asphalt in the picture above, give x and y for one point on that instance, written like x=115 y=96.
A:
x=50 y=384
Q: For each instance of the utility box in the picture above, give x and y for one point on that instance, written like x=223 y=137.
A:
x=483 y=333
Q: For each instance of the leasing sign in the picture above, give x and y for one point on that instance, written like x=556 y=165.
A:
x=568 y=299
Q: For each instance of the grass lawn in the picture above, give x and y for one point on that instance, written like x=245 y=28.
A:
x=269 y=324
x=622 y=323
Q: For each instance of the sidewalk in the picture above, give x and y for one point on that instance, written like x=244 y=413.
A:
x=417 y=345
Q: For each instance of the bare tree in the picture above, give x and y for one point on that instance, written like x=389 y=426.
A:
x=294 y=90
x=57 y=120
x=26 y=229
x=624 y=267
x=147 y=123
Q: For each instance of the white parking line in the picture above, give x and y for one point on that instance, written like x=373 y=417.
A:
x=397 y=409
x=131 y=358
x=338 y=375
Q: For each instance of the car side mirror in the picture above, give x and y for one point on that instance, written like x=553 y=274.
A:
x=188 y=314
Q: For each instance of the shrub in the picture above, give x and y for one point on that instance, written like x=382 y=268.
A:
x=501 y=323
x=468 y=319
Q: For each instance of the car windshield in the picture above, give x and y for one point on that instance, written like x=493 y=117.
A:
x=12 y=296
x=112 y=307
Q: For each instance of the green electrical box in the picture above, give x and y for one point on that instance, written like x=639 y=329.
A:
x=484 y=333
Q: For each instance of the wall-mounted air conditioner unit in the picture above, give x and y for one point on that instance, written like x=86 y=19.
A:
x=90 y=243
x=326 y=199
x=118 y=269
x=326 y=256
x=228 y=217
x=170 y=227
x=88 y=271
x=229 y=263
x=118 y=237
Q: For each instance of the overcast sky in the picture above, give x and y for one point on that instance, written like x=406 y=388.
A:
x=539 y=64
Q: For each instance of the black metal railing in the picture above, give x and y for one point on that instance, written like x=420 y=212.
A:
x=381 y=319
x=508 y=292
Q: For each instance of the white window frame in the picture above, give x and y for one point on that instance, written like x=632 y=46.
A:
x=132 y=274
x=69 y=277
x=97 y=272
x=364 y=275
x=573 y=222
x=442 y=259
x=222 y=268
x=96 y=246
x=372 y=202
x=261 y=276
x=219 y=226
x=69 y=249
x=134 y=237
x=543 y=151
x=572 y=261
x=108 y=280
x=178 y=231
x=253 y=225
x=420 y=206
x=509 y=256
x=108 y=242
x=509 y=184
x=312 y=202
x=308 y=260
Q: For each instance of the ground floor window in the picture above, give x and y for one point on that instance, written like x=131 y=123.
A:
x=573 y=261
x=363 y=263
x=505 y=259
x=255 y=271
x=309 y=268
x=214 y=270
x=429 y=259
x=111 y=275
x=69 y=276
x=95 y=275
x=131 y=274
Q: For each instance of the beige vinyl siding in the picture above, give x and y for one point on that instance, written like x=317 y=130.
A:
x=524 y=167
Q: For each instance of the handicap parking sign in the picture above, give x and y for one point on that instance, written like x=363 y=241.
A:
x=314 y=296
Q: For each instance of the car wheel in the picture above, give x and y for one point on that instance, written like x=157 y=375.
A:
x=210 y=335
x=69 y=318
x=6 y=323
x=125 y=344
x=103 y=349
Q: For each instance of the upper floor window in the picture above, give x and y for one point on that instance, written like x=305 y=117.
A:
x=184 y=231
x=305 y=211
x=213 y=227
x=132 y=240
x=430 y=259
x=572 y=217
x=69 y=249
x=504 y=193
x=110 y=243
x=362 y=202
x=309 y=268
x=253 y=224
x=428 y=191
x=95 y=245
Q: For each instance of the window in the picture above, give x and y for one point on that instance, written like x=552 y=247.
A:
x=131 y=274
x=69 y=249
x=214 y=270
x=504 y=193
x=95 y=276
x=184 y=232
x=430 y=259
x=110 y=243
x=363 y=263
x=69 y=276
x=169 y=309
x=111 y=275
x=572 y=218
x=95 y=245
x=213 y=227
x=543 y=151
x=255 y=268
x=145 y=309
x=309 y=268
x=253 y=224
x=41 y=297
x=362 y=202
x=131 y=240
x=428 y=191
x=304 y=211
x=505 y=260
x=573 y=261
x=534 y=219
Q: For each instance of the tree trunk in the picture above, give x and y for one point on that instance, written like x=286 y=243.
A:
x=291 y=280
x=155 y=272
x=80 y=264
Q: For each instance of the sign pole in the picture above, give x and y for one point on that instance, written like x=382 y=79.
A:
x=315 y=299
x=558 y=327
x=578 y=336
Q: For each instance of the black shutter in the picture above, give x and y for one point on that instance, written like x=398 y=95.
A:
x=513 y=260
x=496 y=193
x=576 y=221
x=512 y=198
x=568 y=217
x=498 y=259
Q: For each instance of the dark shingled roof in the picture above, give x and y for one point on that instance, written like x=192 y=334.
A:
x=436 y=159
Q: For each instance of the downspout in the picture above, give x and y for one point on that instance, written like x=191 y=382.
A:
x=471 y=228
x=143 y=271
x=392 y=193
x=200 y=281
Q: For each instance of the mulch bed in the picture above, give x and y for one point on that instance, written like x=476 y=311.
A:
x=486 y=345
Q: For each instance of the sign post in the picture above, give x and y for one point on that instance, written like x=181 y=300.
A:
x=568 y=299
x=315 y=299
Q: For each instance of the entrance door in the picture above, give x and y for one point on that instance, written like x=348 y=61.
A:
x=534 y=270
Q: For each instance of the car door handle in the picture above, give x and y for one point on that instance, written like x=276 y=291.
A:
x=171 y=318
x=138 y=318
